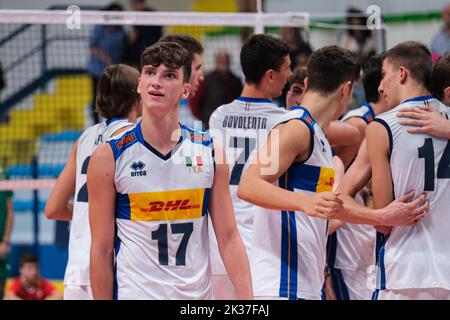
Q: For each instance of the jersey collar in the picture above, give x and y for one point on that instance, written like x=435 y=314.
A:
x=421 y=98
x=254 y=100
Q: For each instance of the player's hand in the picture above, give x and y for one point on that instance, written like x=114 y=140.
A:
x=323 y=205
x=403 y=213
x=425 y=120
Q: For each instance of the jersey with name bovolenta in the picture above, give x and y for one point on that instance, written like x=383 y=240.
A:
x=77 y=270
x=162 y=248
x=418 y=256
x=289 y=248
x=241 y=127
x=353 y=244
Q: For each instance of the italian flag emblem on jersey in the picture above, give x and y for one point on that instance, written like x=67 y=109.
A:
x=194 y=161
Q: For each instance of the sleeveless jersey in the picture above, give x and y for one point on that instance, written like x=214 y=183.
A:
x=352 y=245
x=289 y=247
x=77 y=270
x=162 y=248
x=241 y=127
x=418 y=256
x=364 y=112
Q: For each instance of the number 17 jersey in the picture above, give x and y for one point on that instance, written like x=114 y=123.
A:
x=162 y=248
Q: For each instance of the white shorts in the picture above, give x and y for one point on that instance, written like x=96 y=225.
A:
x=356 y=282
x=223 y=288
x=412 y=294
x=269 y=298
x=73 y=292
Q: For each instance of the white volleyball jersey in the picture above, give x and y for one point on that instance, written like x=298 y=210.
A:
x=241 y=127
x=289 y=248
x=364 y=112
x=417 y=256
x=352 y=246
x=77 y=270
x=162 y=247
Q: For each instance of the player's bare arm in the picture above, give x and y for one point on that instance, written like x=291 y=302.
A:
x=230 y=244
x=347 y=152
x=259 y=189
x=398 y=212
x=102 y=193
x=425 y=120
x=58 y=205
x=342 y=134
x=378 y=151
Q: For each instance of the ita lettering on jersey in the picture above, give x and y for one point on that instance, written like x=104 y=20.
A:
x=194 y=164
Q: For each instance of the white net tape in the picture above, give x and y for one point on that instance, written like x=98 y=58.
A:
x=294 y=19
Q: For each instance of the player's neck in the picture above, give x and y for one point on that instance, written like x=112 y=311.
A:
x=253 y=91
x=413 y=91
x=323 y=109
x=161 y=131
x=379 y=107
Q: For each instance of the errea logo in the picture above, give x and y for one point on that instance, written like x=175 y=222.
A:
x=137 y=169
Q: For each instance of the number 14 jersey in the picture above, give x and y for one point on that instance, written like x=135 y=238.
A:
x=418 y=256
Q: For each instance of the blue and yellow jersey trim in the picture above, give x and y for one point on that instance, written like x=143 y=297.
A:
x=370 y=114
x=163 y=205
x=196 y=136
x=310 y=178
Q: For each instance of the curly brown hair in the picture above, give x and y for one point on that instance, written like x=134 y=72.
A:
x=170 y=54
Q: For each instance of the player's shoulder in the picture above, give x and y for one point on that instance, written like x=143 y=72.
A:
x=92 y=130
x=122 y=141
x=196 y=136
x=298 y=113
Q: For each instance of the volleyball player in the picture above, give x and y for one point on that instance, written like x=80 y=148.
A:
x=118 y=102
x=242 y=126
x=154 y=187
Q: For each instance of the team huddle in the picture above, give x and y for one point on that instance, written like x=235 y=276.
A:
x=308 y=202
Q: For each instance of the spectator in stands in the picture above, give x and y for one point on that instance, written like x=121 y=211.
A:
x=300 y=50
x=441 y=41
x=106 y=45
x=359 y=40
x=6 y=224
x=140 y=37
x=220 y=86
x=30 y=285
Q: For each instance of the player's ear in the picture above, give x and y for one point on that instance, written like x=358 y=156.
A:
x=404 y=74
x=347 y=88
x=305 y=83
x=186 y=90
x=269 y=74
x=446 y=95
x=138 y=90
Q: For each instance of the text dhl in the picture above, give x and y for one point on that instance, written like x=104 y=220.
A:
x=170 y=205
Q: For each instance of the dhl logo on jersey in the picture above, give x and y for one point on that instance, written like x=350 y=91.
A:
x=326 y=180
x=168 y=205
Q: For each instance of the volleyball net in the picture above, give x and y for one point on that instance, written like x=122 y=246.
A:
x=46 y=100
